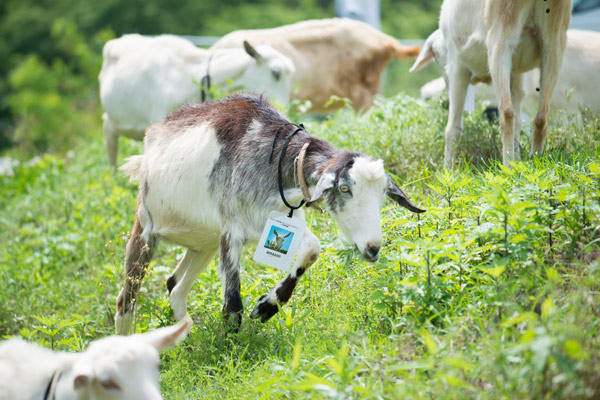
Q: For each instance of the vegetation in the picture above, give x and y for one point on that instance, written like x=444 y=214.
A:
x=492 y=293
x=49 y=70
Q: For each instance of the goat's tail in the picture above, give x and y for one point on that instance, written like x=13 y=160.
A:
x=404 y=52
x=132 y=168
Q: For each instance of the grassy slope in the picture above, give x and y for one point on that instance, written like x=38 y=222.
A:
x=493 y=293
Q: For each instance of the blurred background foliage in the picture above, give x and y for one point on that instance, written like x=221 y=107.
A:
x=51 y=53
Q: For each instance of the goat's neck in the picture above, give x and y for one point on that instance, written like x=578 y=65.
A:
x=64 y=387
x=225 y=65
x=318 y=157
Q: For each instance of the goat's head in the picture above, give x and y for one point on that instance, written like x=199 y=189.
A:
x=124 y=367
x=270 y=74
x=354 y=187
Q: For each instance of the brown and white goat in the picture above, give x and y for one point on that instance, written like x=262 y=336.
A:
x=206 y=183
x=497 y=41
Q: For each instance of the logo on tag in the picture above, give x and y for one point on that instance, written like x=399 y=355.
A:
x=279 y=241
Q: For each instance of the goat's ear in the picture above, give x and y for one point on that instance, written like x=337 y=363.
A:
x=83 y=375
x=427 y=52
x=163 y=338
x=325 y=182
x=399 y=197
x=81 y=381
x=252 y=52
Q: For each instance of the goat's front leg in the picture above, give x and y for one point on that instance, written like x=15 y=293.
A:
x=517 y=93
x=229 y=272
x=458 y=82
x=308 y=252
x=188 y=269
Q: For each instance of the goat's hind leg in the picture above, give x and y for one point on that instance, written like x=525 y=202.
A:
x=182 y=280
x=553 y=40
x=229 y=272
x=137 y=257
x=308 y=252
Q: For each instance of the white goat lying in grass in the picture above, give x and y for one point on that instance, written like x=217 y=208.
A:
x=116 y=367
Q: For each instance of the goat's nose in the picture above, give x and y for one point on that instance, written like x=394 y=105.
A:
x=372 y=252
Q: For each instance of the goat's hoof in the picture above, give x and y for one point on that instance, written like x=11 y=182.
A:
x=264 y=309
x=233 y=322
x=123 y=323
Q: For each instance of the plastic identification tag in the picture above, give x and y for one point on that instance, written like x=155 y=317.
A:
x=279 y=241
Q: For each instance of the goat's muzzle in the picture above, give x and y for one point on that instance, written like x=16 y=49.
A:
x=371 y=252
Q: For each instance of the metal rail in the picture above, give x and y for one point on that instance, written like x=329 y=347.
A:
x=207 y=41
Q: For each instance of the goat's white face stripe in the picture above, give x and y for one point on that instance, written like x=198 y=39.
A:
x=359 y=218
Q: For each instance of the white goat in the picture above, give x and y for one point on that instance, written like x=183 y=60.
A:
x=497 y=41
x=577 y=83
x=207 y=181
x=144 y=78
x=113 y=368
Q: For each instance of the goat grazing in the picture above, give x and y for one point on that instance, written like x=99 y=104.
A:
x=578 y=78
x=206 y=181
x=497 y=41
x=333 y=57
x=116 y=367
x=144 y=78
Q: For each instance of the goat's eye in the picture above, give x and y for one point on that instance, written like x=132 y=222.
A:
x=110 y=384
x=345 y=188
x=276 y=74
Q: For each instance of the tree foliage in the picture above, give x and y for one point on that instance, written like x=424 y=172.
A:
x=33 y=47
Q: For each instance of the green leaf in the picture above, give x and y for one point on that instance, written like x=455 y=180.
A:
x=540 y=348
x=495 y=272
x=296 y=354
x=518 y=238
x=459 y=363
x=518 y=319
x=547 y=307
x=429 y=342
x=574 y=350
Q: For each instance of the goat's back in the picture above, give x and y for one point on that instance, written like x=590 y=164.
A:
x=349 y=56
x=142 y=78
x=26 y=368
x=206 y=161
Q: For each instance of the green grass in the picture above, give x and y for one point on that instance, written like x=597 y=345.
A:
x=493 y=293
